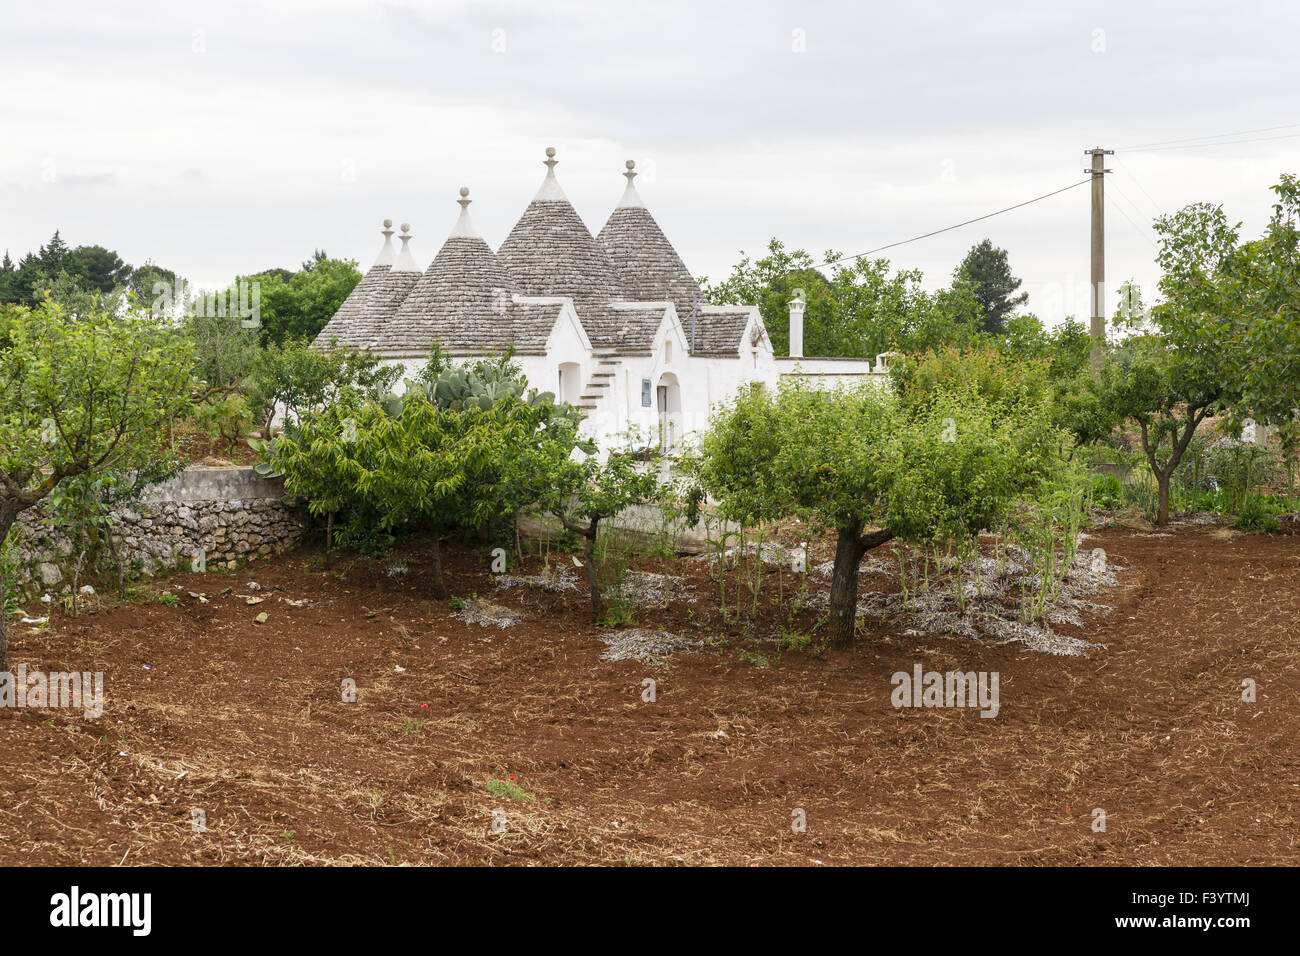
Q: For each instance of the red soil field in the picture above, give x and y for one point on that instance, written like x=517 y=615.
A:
x=207 y=709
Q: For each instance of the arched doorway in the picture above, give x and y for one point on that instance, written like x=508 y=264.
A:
x=668 y=403
x=569 y=384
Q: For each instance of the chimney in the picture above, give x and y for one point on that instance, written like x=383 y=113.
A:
x=796 y=326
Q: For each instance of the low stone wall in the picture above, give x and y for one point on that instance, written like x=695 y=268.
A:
x=216 y=518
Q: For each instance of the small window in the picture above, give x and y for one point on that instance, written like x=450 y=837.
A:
x=645 y=393
x=668 y=352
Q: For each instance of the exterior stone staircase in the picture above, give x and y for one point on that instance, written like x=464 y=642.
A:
x=600 y=384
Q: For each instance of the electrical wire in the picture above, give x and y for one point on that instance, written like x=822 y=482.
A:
x=1120 y=209
x=936 y=232
x=1193 y=139
x=1128 y=171
x=1226 y=142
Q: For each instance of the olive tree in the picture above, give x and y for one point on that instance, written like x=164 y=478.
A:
x=422 y=465
x=585 y=492
x=1223 y=339
x=295 y=377
x=81 y=397
x=862 y=465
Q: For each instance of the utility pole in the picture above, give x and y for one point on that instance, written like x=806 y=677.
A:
x=1098 y=281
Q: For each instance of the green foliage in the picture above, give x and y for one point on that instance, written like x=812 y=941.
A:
x=420 y=466
x=482 y=383
x=1265 y=293
x=1002 y=379
x=859 y=310
x=83 y=400
x=822 y=456
x=510 y=789
x=76 y=277
x=223 y=415
x=224 y=354
x=1108 y=492
x=298 y=305
x=988 y=274
x=1255 y=516
x=581 y=494
x=1218 y=339
x=618 y=613
x=964 y=462
x=1065 y=348
x=83 y=395
x=299 y=378
x=939 y=464
x=1078 y=407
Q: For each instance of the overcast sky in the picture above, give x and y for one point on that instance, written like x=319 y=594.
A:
x=220 y=138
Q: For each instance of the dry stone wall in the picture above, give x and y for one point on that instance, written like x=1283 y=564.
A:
x=215 y=518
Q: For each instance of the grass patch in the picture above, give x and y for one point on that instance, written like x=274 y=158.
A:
x=508 y=788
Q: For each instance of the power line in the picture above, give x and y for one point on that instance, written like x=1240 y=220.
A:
x=1136 y=228
x=1226 y=142
x=1137 y=182
x=902 y=242
x=1193 y=139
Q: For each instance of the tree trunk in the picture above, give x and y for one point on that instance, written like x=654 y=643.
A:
x=1162 y=506
x=439 y=586
x=329 y=539
x=4 y=623
x=849 y=550
x=7 y=519
x=117 y=562
x=593 y=582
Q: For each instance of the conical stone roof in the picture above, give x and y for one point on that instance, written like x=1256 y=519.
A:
x=368 y=329
x=550 y=252
x=357 y=303
x=650 y=270
x=463 y=300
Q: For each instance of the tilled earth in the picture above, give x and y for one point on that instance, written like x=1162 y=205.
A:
x=484 y=743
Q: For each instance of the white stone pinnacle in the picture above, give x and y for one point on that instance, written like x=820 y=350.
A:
x=550 y=190
x=631 y=198
x=387 y=255
x=405 y=261
x=464 y=228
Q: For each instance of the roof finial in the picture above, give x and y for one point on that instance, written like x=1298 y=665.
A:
x=550 y=190
x=464 y=229
x=387 y=254
x=405 y=261
x=630 y=197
